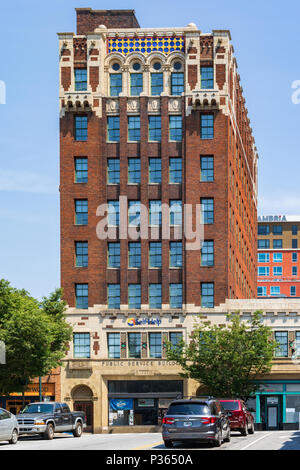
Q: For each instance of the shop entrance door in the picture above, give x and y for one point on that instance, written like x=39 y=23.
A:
x=87 y=408
x=272 y=414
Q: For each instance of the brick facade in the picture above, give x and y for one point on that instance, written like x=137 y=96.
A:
x=233 y=189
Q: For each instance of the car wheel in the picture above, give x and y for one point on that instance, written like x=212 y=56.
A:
x=78 y=430
x=251 y=430
x=49 y=433
x=14 y=437
x=228 y=437
x=218 y=441
x=244 y=431
x=168 y=444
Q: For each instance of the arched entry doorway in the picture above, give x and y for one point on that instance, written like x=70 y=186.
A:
x=82 y=397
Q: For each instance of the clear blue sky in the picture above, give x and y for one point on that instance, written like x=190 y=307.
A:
x=265 y=35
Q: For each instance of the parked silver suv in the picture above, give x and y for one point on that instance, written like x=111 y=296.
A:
x=196 y=419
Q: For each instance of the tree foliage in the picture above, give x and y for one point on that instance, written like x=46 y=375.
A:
x=226 y=360
x=35 y=335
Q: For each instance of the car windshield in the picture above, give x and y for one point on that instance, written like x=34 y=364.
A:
x=230 y=405
x=38 y=408
x=188 y=409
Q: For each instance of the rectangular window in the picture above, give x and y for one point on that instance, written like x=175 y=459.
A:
x=81 y=128
x=207 y=210
x=294 y=271
x=155 y=128
x=113 y=128
x=277 y=271
x=81 y=212
x=207 y=253
x=277 y=257
x=136 y=84
x=263 y=244
x=113 y=171
x=277 y=243
x=81 y=170
x=134 y=345
x=134 y=213
x=157 y=84
x=155 y=295
x=207 y=126
x=81 y=250
x=82 y=295
x=154 y=170
x=155 y=255
x=175 y=212
x=115 y=84
x=155 y=346
x=262 y=291
x=294 y=257
x=155 y=213
x=175 y=338
x=207 y=294
x=175 y=295
x=207 y=78
x=113 y=213
x=207 y=168
x=134 y=254
x=177 y=83
x=175 y=254
x=134 y=128
x=293 y=292
x=263 y=271
x=113 y=252
x=175 y=170
x=281 y=337
x=277 y=229
x=263 y=258
x=175 y=127
x=294 y=243
x=80 y=79
x=275 y=290
x=263 y=229
x=134 y=296
x=294 y=229
x=134 y=170
x=114 y=345
x=113 y=296
x=82 y=345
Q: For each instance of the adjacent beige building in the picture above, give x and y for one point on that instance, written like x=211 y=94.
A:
x=117 y=371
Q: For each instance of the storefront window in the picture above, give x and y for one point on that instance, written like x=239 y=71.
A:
x=293 y=408
x=271 y=387
x=293 y=387
x=120 y=411
x=251 y=406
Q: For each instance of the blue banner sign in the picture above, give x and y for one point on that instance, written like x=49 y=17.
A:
x=121 y=404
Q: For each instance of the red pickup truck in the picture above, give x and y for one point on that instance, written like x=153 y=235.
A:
x=239 y=417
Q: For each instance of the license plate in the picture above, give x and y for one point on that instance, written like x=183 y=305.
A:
x=187 y=424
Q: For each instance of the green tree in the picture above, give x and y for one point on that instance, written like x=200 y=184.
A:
x=226 y=360
x=36 y=336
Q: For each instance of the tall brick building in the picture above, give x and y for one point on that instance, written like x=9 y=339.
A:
x=156 y=115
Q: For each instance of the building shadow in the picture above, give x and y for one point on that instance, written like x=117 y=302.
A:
x=293 y=443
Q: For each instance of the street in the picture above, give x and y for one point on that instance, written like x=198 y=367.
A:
x=264 y=440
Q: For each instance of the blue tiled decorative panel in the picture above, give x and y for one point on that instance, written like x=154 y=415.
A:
x=166 y=45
